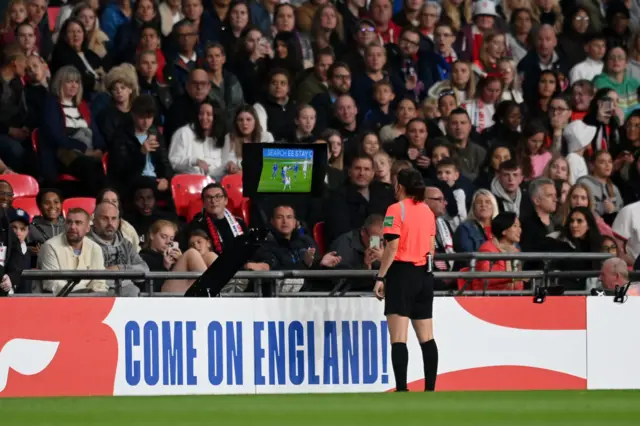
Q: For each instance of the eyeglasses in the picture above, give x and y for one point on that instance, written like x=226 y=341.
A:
x=581 y=18
x=213 y=197
x=557 y=110
x=367 y=30
x=411 y=42
x=610 y=248
x=342 y=76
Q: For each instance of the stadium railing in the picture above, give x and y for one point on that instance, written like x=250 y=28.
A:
x=540 y=277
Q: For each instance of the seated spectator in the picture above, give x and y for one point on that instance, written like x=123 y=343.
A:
x=519 y=40
x=531 y=152
x=118 y=253
x=470 y=155
x=627 y=228
x=50 y=222
x=147 y=67
x=286 y=248
x=69 y=140
x=345 y=119
x=615 y=273
x=225 y=87
x=369 y=143
x=580 y=195
x=578 y=26
x=380 y=114
x=15 y=14
x=127 y=37
x=286 y=54
x=185 y=59
x=476 y=229
x=506 y=188
x=170 y=14
x=26 y=38
x=234 y=25
x=338 y=83
x=462 y=83
x=305 y=125
x=150 y=42
x=558 y=169
x=559 y=116
x=436 y=201
x=469 y=39
x=252 y=63
x=97 y=40
x=314 y=82
x=113 y=16
x=596 y=48
x=36 y=89
x=14 y=133
x=246 y=129
x=498 y=153
x=6 y=195
x=186 y=106
x=122 y=84
x=196 y=149
x=539 y=223
x=461 y=188
x=145 y=212
x=110 y=195
x=361 y=248
x=482 y=107
x=607 y=197
x=140 y=150
x=162 y=254
x=200 y=241
x=336 y=148
x=506 y=231
x=72 y=50
x=506 y=127
x=615 y=77
x=413 y=147
x=19 y=221
x=218 y=222
x=73 y=250
x=508 y=69
x=349 y=206
x=582 y=93
x=405 y=112
x=492 y=49
x=277 y=111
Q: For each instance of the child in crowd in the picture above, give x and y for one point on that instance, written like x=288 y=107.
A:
x=200 y=241
x=448 y=172
x=381 y=113
x=20 y=220
x=592 y=66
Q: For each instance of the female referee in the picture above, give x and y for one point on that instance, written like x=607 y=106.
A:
x=405 y=280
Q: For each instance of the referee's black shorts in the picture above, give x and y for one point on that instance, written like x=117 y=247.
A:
x=409 y=291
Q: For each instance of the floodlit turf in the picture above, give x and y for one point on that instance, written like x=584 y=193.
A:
x=299 y=183
x=604 y=408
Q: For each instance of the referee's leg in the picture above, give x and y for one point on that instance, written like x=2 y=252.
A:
x=424 y=333
x=398 y=331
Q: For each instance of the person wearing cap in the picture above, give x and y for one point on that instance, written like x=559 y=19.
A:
x=469 y=40
x=351 y=10
x=20 y=221
x=11 y=257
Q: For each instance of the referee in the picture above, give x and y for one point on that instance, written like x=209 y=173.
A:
x=405 y=280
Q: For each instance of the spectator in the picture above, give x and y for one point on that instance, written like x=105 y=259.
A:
x=26 y=39
x=36 y=89
x=97 y=39
x=405 y=113
x=615 y=77
x=461 y=189
x=346 y=119
x=69 y=140
x=236 y=22
x=596 y=48
x=37 y=9
x=286 y=248
x=72 y=50
x=16 y=14
x=446 y=104
x=196 y=149
x=375 y=71
x=506 y=230
x=628 y=179
x=506 y=128
x=627 y=228
x=150 y=41
x=617 y=28
x=114 y=15
x=19 y=221
x=351 y=11
x=170 y=14
x=122 y=84
x=339 y=83
x=361 y=248
x=186 y=106
x=481 y=109
x=428 y=17
x=336 y=148
x=252 y=64
x=162 y=254
x=380 y=114
x=147 y=67
x=305 y=125
x=225 y=87
x=558 y=169
x=434 y=198
x=508 y=69
x=633 y=68
x=327 y=30
x=476 y=230
x=559 y=117
x=218 y=222
x=470 y=155
x=206 y=26
x=469 y=40
x=539 y=223
x=578 y=28
x=548 y=86
x=6 y=195
x=14 y=134
x=607 y=197
x=459 y=12
x=127 y=37
x=118 y=253
x=615 y=273
x=349 y=206
x=314 y=82
x=582 y=93
x=381 y=13
x=531 y=152
x=145 y=212
x=519 y=40
x=109 y=195
x=492 y=49
x=382 y=167
x=72 y=250
x=277 y=111
x=50 y=223
x=410 y=14
x=445 y=38
x=184 y=60
x=246 y=129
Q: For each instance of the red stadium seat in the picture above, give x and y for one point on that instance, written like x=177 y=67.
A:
x=105 y=162
x=35 y=144
x=186 y=188
x=23 y=185
x=233 y=185
x=28 y=204
x=246 y=206
x=195 y=207
x=318 y=236
x=89 y=204
x=52 y=13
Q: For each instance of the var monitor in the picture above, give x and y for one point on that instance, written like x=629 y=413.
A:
x=283 y=168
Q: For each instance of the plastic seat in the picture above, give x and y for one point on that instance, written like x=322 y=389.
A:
x=23 y=185
x=28 y=204
x=105 y=163
x=246 y=206
x=186 y=188
x=318 y=236
x=52 y=14
x=233 y=185
x=86 y=203
x=35 y=143
x=195 y=207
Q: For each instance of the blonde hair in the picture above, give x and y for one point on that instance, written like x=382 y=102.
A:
x=430 y=106
x=6 y=25
x=508 y=10
x=484 y=48
x=156 y=227
x=566 y=207
x=453 y=12
x=64 y=75
x=492 y=198
x=317 y=17
x=535 y=11
x=516 y=83
x=547 y=169
x=125 y=74
x=472 y=84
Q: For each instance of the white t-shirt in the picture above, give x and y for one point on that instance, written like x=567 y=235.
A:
x=627 y=227
x=578 y=166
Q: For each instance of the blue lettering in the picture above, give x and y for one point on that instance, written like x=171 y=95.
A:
x=151 y=354
x=314 y=379
x=384 y=345
x=350 y=353
x=276 y=352
x=296 y=355
x=258 y=354
x=369 y=352
x=131 y=339
x=234 y=353
x=215 y=353
x=172 y=354
x=331 y=373
x=192 y=353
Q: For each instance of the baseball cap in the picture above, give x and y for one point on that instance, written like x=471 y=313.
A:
x=19 y=214
x=365 y=21
x=484 y=7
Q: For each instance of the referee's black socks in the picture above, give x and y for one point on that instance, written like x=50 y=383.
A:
x=430 y=359
x=400 y=362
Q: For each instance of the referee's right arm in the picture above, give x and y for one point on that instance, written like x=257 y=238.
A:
x=392 y=226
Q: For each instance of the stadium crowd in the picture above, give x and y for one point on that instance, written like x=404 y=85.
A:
x=521 y=115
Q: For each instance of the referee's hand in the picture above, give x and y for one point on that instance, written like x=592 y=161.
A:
x=378 y=290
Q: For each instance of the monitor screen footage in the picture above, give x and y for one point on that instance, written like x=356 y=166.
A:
x=286 y=170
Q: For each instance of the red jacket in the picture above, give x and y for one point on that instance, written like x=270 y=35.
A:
x=489 y=246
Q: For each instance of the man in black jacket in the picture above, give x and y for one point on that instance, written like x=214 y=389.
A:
x=14 y=134
x=139 y=150
x=339 y=82
x=185 y=107
x=11 y=258
x=348 y=207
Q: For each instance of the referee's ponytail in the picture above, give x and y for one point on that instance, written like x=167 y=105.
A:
x=413 y=184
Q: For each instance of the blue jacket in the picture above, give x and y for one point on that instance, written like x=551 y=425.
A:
x=111 y=19
x=52 y=134
x=468 y=237
x=260 y=17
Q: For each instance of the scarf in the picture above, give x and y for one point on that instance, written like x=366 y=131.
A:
x=444 y=241
x=236 y=229
x=508 y=204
